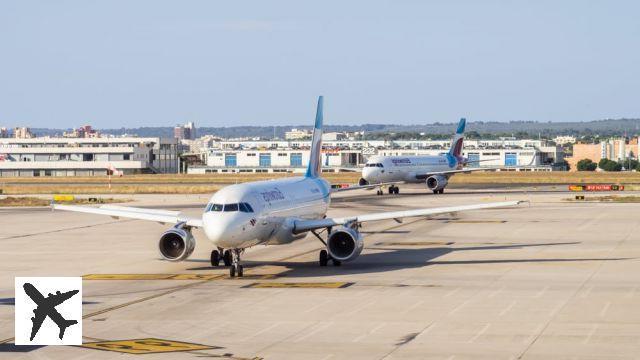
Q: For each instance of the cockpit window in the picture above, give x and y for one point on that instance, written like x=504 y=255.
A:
x=245 y=207
x=374 y=165
x=230 y=207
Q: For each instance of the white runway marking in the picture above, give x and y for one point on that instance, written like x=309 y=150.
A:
x=412 y=307
x=541 y=292
x=314 y=331
x=594 y=328
x=606 y=306
x=482 y=331
x=451 y=293
x=271 y=327
x=506 y=310
x=380 y=326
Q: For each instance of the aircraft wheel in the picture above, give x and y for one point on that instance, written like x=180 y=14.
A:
x=232 y=271
x=435 y=192
x=441 y=191
x=397 y=190
x=215 y=258
x=227 y=258
x=240 y=271
x=379 y=192
x=392 y=190
x=324 y=258
x=336 y=262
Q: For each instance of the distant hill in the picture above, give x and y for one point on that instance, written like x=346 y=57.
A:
x=609 y=127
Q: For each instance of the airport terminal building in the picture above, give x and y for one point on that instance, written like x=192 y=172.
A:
x=292 y=156
x=46 y=156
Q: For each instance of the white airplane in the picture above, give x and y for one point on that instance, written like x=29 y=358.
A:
x=434 y=171
x=272 y=212
x=111 y=170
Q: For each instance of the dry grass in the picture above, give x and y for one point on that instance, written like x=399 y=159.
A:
x=209 y=183
x=610 y=198
x=175 y=178
x=115 y=189
x=17 y=201
x=556 y=177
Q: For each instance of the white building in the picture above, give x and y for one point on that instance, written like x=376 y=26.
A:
x=335 y=158
x=561 y=140
x=289 y=160
x=295 y=134
x=87 y=156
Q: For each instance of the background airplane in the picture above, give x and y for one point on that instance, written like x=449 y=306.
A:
x=272 y=212
x=47 y=307
x=434 y=171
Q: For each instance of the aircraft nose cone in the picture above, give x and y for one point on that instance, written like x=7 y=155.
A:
x=221 y=229
x=215 y=225
x=369 y=174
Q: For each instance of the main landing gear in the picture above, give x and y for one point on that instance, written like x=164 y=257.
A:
x=216 y=257
x=324 y=254
x=392 y=190
x=441 y=191
x=325 y=257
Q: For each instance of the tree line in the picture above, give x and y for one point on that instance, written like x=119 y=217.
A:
x=608 y=165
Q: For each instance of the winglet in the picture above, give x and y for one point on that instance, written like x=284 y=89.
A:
x=313 y=169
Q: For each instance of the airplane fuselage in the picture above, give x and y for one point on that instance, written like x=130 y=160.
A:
x=381 y=169
x=262 y=212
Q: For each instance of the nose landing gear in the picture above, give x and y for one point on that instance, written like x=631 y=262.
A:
x=236 y=268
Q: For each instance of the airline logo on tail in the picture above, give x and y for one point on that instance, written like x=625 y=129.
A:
x=454 y=156
x=313 y=170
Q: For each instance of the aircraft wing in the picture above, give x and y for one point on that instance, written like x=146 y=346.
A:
x=37 y=320
x=456 y=171
x=161 y=216
x=59 y=298
x=369 y=186
x=306 y=225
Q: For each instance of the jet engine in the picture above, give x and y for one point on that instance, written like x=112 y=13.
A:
x=363 y=182
x=176 y=244
x=344 y=244
x=437 y=182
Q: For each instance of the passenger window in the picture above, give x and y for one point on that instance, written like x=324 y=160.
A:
x=216 y=207
x=231 y=207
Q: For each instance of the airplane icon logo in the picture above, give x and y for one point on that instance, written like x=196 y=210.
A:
x=62 y=306
x=47 y=307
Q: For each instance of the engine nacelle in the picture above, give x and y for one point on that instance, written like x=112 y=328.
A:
x=437 y=182
x=363 y=182
x=344 y=244
x=176 y=244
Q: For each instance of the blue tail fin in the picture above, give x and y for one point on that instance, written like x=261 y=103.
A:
x=313 y=170
x=458 y=138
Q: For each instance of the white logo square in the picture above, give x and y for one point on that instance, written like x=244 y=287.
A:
x=48 y=310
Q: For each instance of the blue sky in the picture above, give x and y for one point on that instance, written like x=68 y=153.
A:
x=223 y=63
